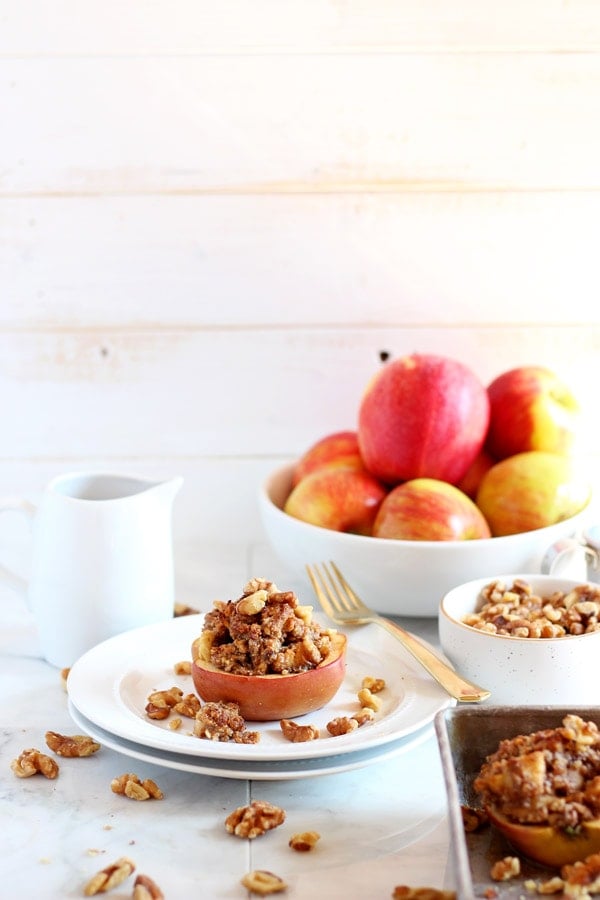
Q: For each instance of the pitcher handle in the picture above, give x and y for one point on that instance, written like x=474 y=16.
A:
x=7 y=576
x=563 y=550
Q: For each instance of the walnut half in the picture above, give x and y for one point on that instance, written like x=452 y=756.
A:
x=109 y=877
x=262 y=882
x=71 y=746
x=254 y=820
x=32 y=761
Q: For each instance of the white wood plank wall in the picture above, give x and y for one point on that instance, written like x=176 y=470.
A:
x=213 y=217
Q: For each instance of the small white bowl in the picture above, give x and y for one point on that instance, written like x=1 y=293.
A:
x=402 y=578
x=520 y=671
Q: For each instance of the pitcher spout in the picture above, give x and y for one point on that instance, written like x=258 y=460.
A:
x=169 y=489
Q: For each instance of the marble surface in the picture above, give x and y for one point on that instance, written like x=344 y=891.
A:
x=380 y=826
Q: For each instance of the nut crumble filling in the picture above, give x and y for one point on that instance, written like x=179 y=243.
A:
x=264 y=632
x=550 y=777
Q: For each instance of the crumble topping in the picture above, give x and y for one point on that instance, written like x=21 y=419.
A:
x=549 y=777
x=264 y=632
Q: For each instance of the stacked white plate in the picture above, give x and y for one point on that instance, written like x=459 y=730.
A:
x=108 y=690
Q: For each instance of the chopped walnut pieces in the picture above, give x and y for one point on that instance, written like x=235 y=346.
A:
x=131 y=786
x=145 y=888
x=109 y=877
x=342 y=725
x=304 y=841
x=254 y=820
x=473 y=818
x=553 y=885
x=298 y=734
x=160 y=703
x=584 y=874
x=369 y=700
x=32 y=761
x=175 y=724
x=505 y=869
x=363 y=716
x=183 y=667
x=222 y=722
x=188 y=706
x=519 y=612
x=71 y=746
x=403 y=892
x=262 y=882
x=375 y=685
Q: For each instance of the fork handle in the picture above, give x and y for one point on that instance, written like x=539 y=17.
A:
x=458 y=687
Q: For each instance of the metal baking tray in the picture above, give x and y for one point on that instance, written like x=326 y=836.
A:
x=466 y=735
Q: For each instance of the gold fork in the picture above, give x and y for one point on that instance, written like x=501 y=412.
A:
x=342 y=604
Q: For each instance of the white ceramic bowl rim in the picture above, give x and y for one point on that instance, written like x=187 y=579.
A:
x=443 y=546
x=480 y=582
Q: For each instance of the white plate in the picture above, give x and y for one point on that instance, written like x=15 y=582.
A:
x=110 y=685
x=257 y=771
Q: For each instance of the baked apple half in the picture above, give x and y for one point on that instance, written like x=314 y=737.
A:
x=264 y=698
x=547 y=844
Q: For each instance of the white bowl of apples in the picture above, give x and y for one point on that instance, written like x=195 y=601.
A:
x=438 y=486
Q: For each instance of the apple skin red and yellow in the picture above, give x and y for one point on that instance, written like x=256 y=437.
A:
x=437 y=456
x=531 y=408
x=422 y=416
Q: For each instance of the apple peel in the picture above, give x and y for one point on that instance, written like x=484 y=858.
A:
x=263 y=698
x=547 y=844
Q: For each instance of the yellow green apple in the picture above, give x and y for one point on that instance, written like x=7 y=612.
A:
x=336 y=450
x=531 y=408
x=531 y=490
x=422 y=416
x=340 y=499
x=425 y=509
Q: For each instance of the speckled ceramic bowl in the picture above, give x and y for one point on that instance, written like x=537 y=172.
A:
x=520 y=671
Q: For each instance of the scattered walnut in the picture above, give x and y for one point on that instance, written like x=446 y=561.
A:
x=473 y=819
x=253 y=820
x=375 y=685
x=109 y=877
x=32 y=761
x=175 y=724
x=366 y=698
x=403 y=892
x=183 y=667
x=505 y=869
x=304 y=841
x=298 y=734
x=188 y=706
x=553 y=885
x=71 y=746
x=342 y=725
x=583 y=874
x=222 y=722
x=64 y=674
x=131 y=786
x=262 y=882
x=365 y=715
x=181 y=609
x=160 y=703
x=146 y=889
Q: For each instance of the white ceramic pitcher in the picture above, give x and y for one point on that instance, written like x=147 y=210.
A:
x=102 y=559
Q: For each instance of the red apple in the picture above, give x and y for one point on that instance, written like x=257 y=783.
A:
x=426 y=509
x=270 y=697
x=531 y=409
x=337 y=450
x=531 y=490
x=470 y=481
x=422 y=416
x=338 y=499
